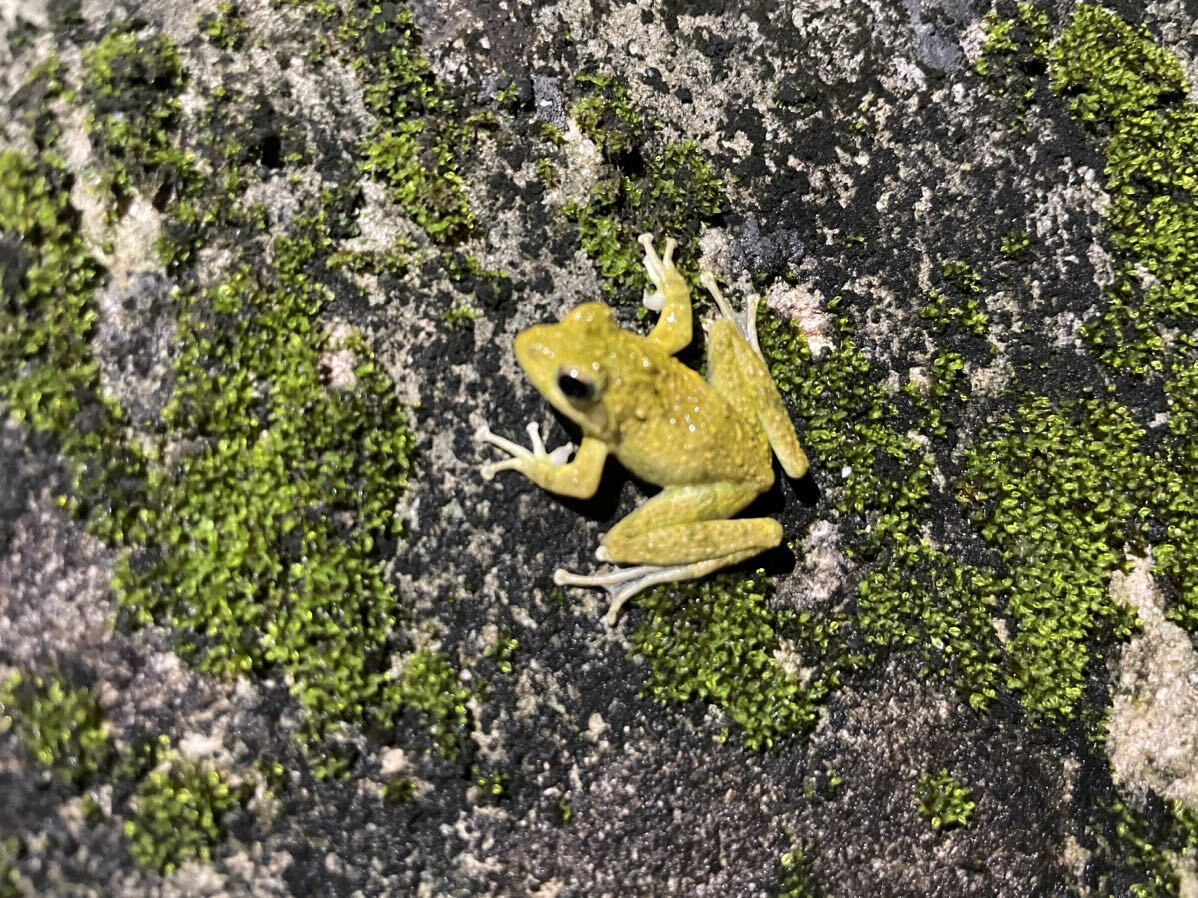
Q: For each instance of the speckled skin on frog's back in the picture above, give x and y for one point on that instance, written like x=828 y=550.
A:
x=664 y=422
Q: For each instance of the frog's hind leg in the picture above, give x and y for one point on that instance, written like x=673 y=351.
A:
x=737 y=371
x=745 y=324
x=683 y=533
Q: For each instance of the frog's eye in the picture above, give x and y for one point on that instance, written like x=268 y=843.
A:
x=579 y=389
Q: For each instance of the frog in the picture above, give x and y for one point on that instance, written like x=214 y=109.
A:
x=707 y=442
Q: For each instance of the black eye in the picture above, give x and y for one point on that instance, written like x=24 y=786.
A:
x=576 y=389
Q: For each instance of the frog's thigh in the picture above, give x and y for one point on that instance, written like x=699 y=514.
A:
x=688 y=524
x=725 y=371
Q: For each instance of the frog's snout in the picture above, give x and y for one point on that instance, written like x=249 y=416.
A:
x=534 y=354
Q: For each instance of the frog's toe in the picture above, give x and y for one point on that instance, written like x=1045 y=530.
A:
x=561 y=454
x=707 y=279
x=485 y=435
x=621 y=583
x=746 y=322
x=654 y=301
x=658 y=267
x=558 y=456
x=490 y=469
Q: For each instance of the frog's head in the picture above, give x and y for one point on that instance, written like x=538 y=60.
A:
x=568 y=363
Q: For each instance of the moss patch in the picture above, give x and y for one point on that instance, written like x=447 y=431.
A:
x=178 y=814
x=133 y=83
x=670 y=191
x=927 y=603
x=943 y=800
x=429 y=685
x=253 y=522
x=1059 y=490
x=1176 y=497
x=49 y=378
x=61 y=727
x=261 y=551
x=1132 y=95
x=173 y=809
x=11 y=850
x=421 y=132
x=797 y=874
x=717 y=641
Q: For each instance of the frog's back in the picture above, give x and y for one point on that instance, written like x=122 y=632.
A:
x=675 y=429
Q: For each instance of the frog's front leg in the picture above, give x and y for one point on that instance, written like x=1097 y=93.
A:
x=549 y=470
x=682 y=533
x=671 y=297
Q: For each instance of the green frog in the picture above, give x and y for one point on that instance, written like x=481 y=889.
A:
x=706 y=443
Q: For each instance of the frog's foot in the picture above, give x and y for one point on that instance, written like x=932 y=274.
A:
x=659 y=268
x=622 y=583
x=747 y=325
x=520 y=457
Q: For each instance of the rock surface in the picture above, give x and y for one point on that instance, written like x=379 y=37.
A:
x=265 y=629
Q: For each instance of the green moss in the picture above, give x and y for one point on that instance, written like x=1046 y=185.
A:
x=608 y=117
x=963 y=276
x=1132 y=95
x=998 y=37
x=503 y=653
x=716 y=641
x=670 y=193
x=950 y=313
x=797 y=878
x=945 y=392
x=1175 y=495
x=1022 y=41
x=460 y=316
x=547 y=174
x=177 y=808
x=225 y=28
x=849 y=424
x=1058 y=491
x=11 y=851
x=262 y=550
x=252 y=523
x=1142 y=850
x=1015 y=243
x=179 y=813
x=48 y=377
x=492 y=785
x=943 y=800
x=913 y=598
x=63 y=728
x=133 y=83
x=399 y=791
x=1144 y=847
x=565 y=811
x=430 y=686
x=924 y=602
x=48 y=314
x=421 y=134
